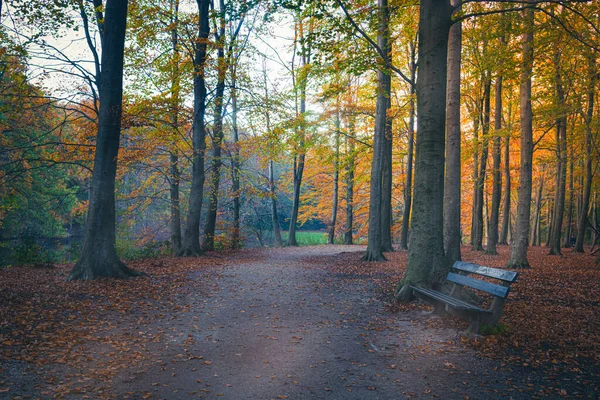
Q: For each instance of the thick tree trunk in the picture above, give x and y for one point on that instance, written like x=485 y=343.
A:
x=336 y=178
x=374 y=247
x=349 y=184
x=561 y=162
x=480 y=182
x=589 y=144
x=518 y=252
x=452 y=185
x=497 y=176
x=208 y=239
x=427 y=264
x=175 y=178
x=191 y=238
x=410 y=152
x=98 y=253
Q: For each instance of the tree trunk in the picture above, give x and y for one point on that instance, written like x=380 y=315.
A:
x=374 y=246
x=561 y=162
x=336 y=177
x=175 y=178
x=518 y=252
x=386 y=187
x=410 y=151
x=506 y=203
x=349 y=183
x=535 y=232
x=274 y=214
x=549 y=219
x=569 y=231
x=589 y=144
x=497 y=176
x=452 y=185
x=208 y=239
x=98 y=253
x=480 y=183
x=427 y=264
x=476 y=122
x=191 y=238
x=235 y=168
x=300 y=156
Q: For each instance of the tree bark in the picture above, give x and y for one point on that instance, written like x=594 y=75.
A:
x=386 y=187
x=497 y=176
x=452 y=186
x=235 y=167
x=410 y=151
x=99 y=254
x=374 y=247
x=507 y=188
x=191 y=238
x=336 y=177
x=300 y=156
x=561 y=162
x=518 y=253
x=208 y=239
x=476 y=123
x=274 y=213
x=350 y=183
x=535 y=233
x=175 y=178
x=427 y=264
x=589 y=144
x=480 y=182
x=569 y=230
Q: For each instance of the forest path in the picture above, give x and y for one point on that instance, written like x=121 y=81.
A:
x=280 y=323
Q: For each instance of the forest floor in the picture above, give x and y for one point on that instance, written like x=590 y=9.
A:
x=298 y=323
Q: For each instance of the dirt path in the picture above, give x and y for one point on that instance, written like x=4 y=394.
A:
x=279 y=324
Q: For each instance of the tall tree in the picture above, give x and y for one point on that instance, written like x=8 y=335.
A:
x=98 y=253
x=336 y=174
x=407 y=194
x=589 y=147
x=300 y=154
x=374 y=246
x=208 y=239
x=496 y=173
x=452 y=184
x=518 y=252
x=478 y=225
x=426 y=259
x=568 y=232
x=190 y=246
x=507 y=188
x=561 y=158
x=175 y=178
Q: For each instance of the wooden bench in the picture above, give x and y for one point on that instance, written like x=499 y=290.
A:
x=452 y=303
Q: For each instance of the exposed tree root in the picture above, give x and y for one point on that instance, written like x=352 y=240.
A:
x=88 y=269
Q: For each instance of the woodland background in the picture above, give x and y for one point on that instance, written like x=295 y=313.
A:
x=279 y=99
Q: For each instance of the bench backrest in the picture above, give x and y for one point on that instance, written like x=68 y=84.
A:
x=497 y=290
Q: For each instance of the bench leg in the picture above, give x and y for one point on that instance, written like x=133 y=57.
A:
x=475 y=322
x=439 y=308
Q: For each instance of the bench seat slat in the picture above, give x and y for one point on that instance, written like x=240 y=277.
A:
x=507 y=276
x=496 y=290
x=451 y=301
